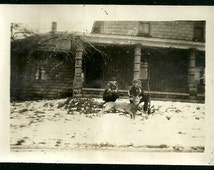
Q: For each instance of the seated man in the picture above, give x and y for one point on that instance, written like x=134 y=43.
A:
x=137 y=91
x=111 y=93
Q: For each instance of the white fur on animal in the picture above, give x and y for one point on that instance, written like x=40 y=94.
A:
x=130 y=108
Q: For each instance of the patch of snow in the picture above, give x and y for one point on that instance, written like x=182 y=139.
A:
x=42 y=124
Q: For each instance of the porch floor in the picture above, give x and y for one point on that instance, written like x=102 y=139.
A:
x=155 y=95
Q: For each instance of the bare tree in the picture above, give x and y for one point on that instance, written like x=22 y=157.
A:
x=18 y=31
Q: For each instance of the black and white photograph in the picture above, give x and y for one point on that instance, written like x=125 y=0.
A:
x=107 y=84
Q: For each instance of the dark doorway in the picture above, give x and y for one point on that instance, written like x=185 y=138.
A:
x=93 y=70
x=106 y=62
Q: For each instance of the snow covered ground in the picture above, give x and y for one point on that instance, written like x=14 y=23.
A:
x=41 y=125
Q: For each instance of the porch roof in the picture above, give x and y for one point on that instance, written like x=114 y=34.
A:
x=62 y=42
x=144 y=41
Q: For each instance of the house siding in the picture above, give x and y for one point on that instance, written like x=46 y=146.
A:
x=56 y=82
x=180 y=30
x=172 y=30
x=116 y=27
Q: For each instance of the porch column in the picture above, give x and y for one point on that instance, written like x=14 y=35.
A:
x=192 y=84
x=77 y=84
x=137 y=62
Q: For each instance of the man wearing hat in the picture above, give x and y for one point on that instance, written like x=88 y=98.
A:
x=111 y=93
x=137 y=91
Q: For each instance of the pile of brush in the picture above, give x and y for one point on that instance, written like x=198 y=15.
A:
x=81 y=105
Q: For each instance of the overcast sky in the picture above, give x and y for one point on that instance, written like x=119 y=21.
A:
x=69 y=18
x=77 y=18
x=70 y=26
x=81 y=17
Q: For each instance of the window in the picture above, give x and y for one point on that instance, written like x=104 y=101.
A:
x=40 y=74
x=144 y=29
x=199 y=31
x=98 y=27
x=144 y=71
x=202 y=76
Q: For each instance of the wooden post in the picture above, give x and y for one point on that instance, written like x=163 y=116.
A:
x=77 y=84
x=192 y=84
x=137 y=62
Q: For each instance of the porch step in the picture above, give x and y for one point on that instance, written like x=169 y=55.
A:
x=155 y=95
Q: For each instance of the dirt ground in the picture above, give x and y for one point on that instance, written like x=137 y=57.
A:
x=48 y=124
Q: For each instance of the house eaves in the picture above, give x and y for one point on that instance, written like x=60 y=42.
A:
x=66 y=42
x=144 y=41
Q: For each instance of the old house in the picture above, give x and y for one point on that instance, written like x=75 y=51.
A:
x=42 y=66
x=168 y=54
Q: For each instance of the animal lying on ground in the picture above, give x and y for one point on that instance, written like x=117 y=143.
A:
x=130 y=108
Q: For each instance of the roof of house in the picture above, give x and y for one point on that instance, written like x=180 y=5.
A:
x=66 y=42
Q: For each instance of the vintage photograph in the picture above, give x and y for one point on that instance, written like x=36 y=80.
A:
x=106 y=84
x=123 y=85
